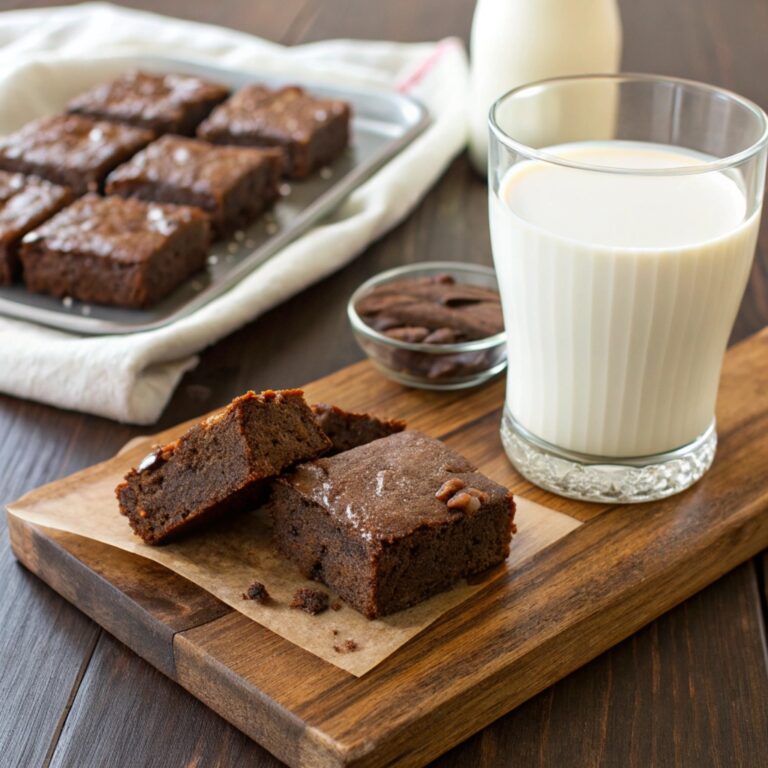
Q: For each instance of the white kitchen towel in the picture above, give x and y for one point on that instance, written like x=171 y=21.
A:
x=131 y=378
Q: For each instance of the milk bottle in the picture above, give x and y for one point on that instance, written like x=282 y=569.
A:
x=518 y=41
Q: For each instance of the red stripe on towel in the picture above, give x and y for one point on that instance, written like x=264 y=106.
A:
x=425 y=66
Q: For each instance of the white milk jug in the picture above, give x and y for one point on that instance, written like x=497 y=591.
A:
x=515 y=42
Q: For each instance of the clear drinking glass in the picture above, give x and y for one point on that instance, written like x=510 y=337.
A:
x=624 y=214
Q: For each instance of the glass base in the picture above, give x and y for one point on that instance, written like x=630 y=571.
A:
x=597 y=478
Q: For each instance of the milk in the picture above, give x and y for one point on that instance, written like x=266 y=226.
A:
x=514 y=42
x=619 y=293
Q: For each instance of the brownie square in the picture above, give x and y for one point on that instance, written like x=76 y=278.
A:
x=167 y=103
x=312 y=132
x=111 y=250
x=71 y=150
x=25 y=202
x=220 y=464
x=347 y=430
x=392 y=522
x=231 y=184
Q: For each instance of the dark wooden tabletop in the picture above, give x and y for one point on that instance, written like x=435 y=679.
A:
x=683 y=691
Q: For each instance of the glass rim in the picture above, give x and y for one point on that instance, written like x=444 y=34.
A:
x=706 y=167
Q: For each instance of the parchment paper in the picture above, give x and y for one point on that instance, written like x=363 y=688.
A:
x=225 y=559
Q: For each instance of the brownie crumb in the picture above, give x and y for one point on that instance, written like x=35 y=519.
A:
x=335 y=605
x=335 y=631
x=346 y=647
x=312 y=601
x=258 y=592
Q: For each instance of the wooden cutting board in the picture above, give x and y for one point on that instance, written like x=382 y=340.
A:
x=615 y=573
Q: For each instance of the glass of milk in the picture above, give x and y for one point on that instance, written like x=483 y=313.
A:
x=624 y=213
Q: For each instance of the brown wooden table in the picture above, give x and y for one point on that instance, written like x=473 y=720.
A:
x=683 y=691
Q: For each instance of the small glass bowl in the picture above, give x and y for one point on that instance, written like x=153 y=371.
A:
x=431 y=366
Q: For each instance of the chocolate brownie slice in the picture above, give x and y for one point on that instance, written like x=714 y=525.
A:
x=312 y=132
x=25 y=202
x=109 y=250
x=168 y=103
x=220 y=464
x=348 y=430
x=392 y=522
x=231 y=184
x=71 y=150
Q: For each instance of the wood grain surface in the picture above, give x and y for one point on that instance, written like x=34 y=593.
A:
x=683 y=691
x=526 y=630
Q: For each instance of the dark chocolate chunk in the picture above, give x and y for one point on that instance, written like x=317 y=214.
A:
x=450 y=311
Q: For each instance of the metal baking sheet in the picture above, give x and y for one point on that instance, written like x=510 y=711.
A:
x=383 y=123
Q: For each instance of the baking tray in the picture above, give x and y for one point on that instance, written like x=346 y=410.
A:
x=383 y=123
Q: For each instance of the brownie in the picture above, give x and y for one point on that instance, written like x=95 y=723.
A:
x=25 y=202
x=391 y=522
x=432 y=310
x=348 y=430
x=311 y=132
x=219 y=465
x=231 y=184
x=71 y=150
x=110 y=250
x=169 y=103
